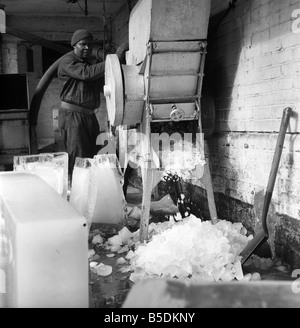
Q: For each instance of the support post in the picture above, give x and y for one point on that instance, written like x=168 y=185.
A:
x=146 y=201
x=206 y=175
x=210 y=192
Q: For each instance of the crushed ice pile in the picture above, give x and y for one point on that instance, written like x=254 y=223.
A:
x=193 y=250
x=189 y=249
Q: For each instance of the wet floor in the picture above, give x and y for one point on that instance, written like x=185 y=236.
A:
x=109 y=291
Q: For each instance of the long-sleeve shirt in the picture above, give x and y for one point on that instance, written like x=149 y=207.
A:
x=80 y=81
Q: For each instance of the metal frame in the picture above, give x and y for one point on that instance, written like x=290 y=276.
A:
x=148 y=168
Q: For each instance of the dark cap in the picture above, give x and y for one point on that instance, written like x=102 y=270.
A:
x=79 y=35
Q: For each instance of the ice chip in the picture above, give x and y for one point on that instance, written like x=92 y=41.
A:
x=102 y=269
x=135 y=213
x=227 y=276
x=110 y=255
x=93 y=264
x=130 y=255
x=247 y=277
x=115 y=240
x=97 y=240
x=121 y=261
x=125 y=269
x=125 y=234
x=255 y=276
x=134 y=277
x=115 y=248
x=123 y=249
x=239 y=275
x=281 y=268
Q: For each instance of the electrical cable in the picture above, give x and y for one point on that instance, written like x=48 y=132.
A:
x=85 y=11
x=104 y=28
x=129 y=5
x=231 y=5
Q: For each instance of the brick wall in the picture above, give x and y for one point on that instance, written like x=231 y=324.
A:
x=9 y=56
x=253 y=67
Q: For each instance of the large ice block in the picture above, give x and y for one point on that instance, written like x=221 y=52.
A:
x=97 y=191
x=47 y=245
x=81 y=179
x=106 y=203
x=51 y=167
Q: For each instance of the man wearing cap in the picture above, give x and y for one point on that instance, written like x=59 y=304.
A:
x=81 y=83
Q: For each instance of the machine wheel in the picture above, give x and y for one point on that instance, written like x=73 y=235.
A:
x=113 y=90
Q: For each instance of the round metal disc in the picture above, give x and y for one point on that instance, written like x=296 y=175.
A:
x=177 y=115
x=113 y=90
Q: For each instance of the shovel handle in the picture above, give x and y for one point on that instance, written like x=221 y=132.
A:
x=263 y=235
x=275 y=164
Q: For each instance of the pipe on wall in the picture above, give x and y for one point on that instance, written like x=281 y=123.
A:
x=40 y=90
x=36 y=101
x=1 y=55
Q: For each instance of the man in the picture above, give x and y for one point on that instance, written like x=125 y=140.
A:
x=81 y=83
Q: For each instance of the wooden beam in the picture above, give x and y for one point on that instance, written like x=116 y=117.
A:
x=37 y=40
x=58 y=28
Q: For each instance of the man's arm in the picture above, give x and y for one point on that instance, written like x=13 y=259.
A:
x=82 y=71
x=89 y=72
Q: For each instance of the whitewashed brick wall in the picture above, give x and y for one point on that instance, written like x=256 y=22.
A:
x=253 y=64
x=9 y=57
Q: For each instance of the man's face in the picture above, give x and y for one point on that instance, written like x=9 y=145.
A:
x=83 y=48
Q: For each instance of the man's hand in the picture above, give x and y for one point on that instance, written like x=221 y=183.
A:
x=121 y=51
x=33 y=140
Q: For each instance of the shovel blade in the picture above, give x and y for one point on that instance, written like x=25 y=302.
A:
x=258 y=239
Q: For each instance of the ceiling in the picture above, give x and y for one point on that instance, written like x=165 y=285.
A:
x=62 y=7
x=78 y=7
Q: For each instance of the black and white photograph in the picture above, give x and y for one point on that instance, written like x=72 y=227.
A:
x=149 y=157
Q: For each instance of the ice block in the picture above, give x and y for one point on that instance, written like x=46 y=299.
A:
x=52 y=167
x=97 y=191
x=47 y=245
x=81 y=179
x=106 y=202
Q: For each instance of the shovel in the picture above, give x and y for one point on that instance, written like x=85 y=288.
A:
x=263 y=235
